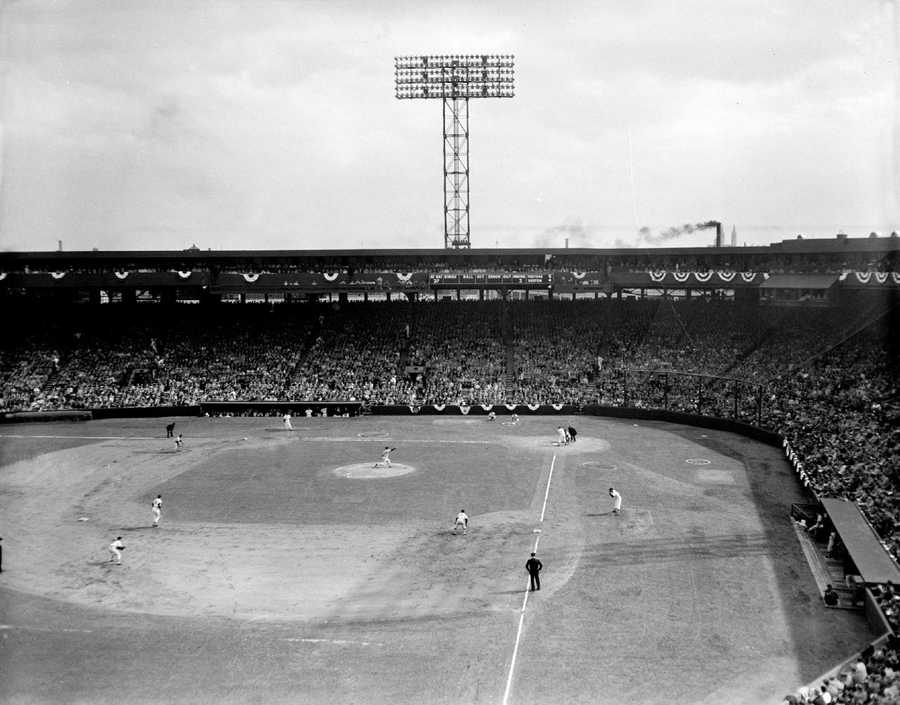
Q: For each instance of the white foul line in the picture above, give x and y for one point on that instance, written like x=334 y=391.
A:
x=547 y=492
x=537 y=540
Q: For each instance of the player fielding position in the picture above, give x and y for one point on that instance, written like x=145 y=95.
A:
x=178 y=442
x=617 y=500
x=286 y=420
x=560 y=436
x=385 y=457
x=115 y=550
x=156 y=507
x=534 y=566
x=492 y=416
x=170 y=430
x=462 y=520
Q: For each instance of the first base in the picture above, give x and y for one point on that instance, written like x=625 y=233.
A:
x=537 y=531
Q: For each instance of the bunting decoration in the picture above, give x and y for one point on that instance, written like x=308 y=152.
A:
x=185 y=275
x=330 y=277
x=533 y=407
x=487 y=407
x=57 y=275
x=578 y=275
x=558 y=407
x=249 y=278
x=121 y=275
x=439 y=407
x=728 y=276
x=872 y=277
x=403 y=277
x=658 y=276
x=705 y=277
x=464 y=409
x=511 y=407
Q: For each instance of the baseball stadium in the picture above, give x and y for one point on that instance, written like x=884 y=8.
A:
x=313 y=421
x=281 y=425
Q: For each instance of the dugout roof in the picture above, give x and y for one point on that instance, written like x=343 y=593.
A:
x=873 y=562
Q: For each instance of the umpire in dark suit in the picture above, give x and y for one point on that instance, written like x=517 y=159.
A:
x=533 y=566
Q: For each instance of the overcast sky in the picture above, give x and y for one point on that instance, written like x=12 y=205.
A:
x=139 y=124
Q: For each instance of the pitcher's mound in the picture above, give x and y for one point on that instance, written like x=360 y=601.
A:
x=365 y=471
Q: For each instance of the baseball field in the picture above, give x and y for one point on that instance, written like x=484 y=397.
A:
x=288 y=568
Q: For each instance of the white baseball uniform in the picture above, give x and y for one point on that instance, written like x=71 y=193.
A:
x=157 y=510
x=617 y=499
x=115 y=550
x=462 y=520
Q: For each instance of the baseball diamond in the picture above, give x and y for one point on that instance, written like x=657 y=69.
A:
x=273 y=569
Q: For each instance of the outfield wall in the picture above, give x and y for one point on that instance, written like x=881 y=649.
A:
x=32 y=416
x=354 y=408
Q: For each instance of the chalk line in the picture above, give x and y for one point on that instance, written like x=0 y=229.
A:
x=537 y=540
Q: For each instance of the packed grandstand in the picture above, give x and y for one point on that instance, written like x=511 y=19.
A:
x=824 y=375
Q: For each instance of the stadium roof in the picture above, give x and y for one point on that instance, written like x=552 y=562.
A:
x=803 y=245
x=800 y=281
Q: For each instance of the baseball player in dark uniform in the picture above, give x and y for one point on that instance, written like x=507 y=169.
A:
x=534 y=566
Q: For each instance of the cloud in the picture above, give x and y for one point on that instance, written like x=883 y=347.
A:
x=275 y=123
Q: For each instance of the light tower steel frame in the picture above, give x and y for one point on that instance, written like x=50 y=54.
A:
x=456 y=173
x=454 y=79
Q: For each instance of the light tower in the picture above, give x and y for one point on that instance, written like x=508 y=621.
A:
x=454 y=79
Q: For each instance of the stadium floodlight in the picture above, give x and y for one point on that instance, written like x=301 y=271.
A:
x=455 y=79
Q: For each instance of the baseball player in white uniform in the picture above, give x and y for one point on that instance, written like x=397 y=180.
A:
x=156 y=507
x=560 y=436
x=286 y=419
x=461 y=521
x=385 y=457
x=617 y=500
x=115 y=550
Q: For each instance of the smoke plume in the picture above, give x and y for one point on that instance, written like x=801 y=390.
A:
x=578 y=234
x=648 y=237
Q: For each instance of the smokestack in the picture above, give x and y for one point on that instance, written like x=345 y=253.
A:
x=718 y=233
x=60 y=245
x=567 y=243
